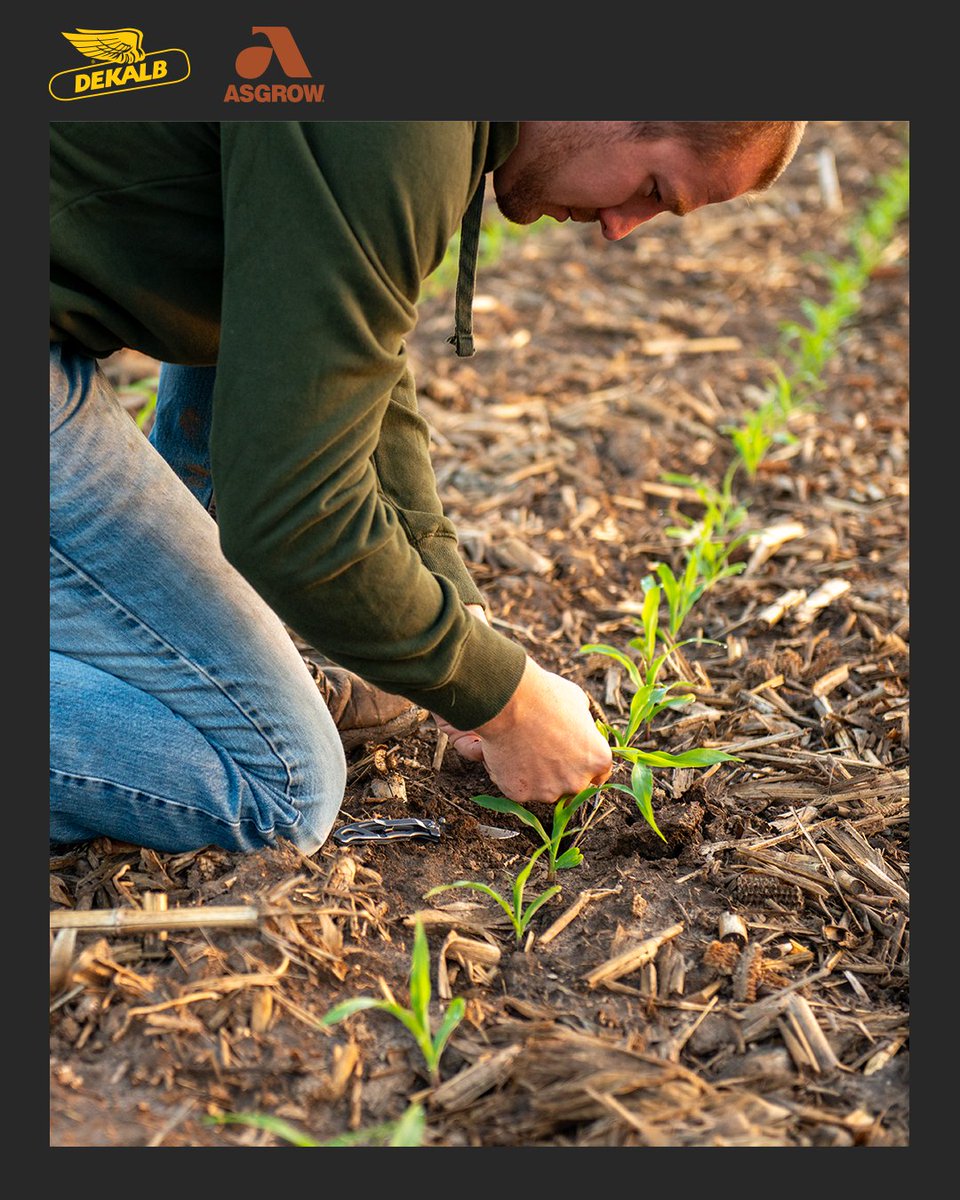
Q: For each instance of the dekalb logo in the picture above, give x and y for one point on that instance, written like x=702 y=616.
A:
x=125 y=67
x=253 y=62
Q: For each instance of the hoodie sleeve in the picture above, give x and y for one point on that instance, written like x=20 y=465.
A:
x=408 y=483
x=326 y=243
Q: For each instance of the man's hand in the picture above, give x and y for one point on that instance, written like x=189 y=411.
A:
x=544 y=743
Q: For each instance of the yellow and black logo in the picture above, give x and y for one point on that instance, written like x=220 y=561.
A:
x=126 y=67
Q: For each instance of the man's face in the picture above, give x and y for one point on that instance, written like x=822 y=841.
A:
x=591 y=171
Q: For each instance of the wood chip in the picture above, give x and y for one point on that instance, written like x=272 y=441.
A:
x=820 y=598
x=773 y=613
x=61 y=958
x=479 y=960
x=832 y=679
x=574 y=910
x=768 y=541
x=878 y=1061
x=705 y=345
x=240 y=916
x=631 y=960
x=808 y=1046
x=463 y=1089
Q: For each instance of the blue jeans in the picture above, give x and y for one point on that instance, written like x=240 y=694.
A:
x=181 y=713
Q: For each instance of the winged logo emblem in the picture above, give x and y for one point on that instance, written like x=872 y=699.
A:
x=109 y=45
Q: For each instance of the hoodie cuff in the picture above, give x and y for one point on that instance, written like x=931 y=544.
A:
x=486 y=676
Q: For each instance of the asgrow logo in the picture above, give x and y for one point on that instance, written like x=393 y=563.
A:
x=252 y=63
x=125 y=66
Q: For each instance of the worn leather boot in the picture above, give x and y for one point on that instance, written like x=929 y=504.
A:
x=361 y=712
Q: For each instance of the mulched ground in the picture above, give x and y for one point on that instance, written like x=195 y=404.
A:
x=746 y=984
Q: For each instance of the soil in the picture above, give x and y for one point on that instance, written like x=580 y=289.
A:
x=763 y=994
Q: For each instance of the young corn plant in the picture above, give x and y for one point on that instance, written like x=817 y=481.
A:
x=650 y=698
x=872 y=234
x=712 y=538
x=416 y=1018
x=811 y=346
x=563 y=812
x=407 y=1130
x=520 y=917
x=784 y=395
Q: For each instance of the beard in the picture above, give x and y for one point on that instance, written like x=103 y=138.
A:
x=534 y=187
x=523 y=202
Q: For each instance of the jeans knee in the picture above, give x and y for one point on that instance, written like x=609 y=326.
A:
x=324 y=781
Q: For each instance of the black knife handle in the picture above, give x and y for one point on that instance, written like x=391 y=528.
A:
x=384 y=829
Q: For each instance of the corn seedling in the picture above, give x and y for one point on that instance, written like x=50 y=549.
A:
x=649 y=699
x=520 y=917
x=872 y=234
x=722 y=512
x=407 y=1130
x=416 y=1018
x=563 y=812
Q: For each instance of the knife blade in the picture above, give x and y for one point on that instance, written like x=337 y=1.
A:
x=494 y=831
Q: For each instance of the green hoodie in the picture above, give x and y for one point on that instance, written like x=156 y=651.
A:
x=291 y=254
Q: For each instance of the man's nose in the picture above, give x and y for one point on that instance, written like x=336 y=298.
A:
x=616 y=224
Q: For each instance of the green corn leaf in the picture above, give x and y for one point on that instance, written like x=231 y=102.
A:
x=420 y=976
x=407 y=1130
x=264 y=1121
x=673 y=702
x=538 y=904
x=690 y=572
x=612 y=652
x=671 y=586
x=451 y=1019
x=612 y=735
x=689 y=758
x=570 y=858
x=648 y=615
x=479 y=887
x=641 y=785
x=410 y=1127
x=347 y=1008
x=640 y=706
x=521 y=881
x=566 y=807
x=419 y=1031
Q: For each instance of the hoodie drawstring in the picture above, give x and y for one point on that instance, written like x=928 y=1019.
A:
x=462 y=337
